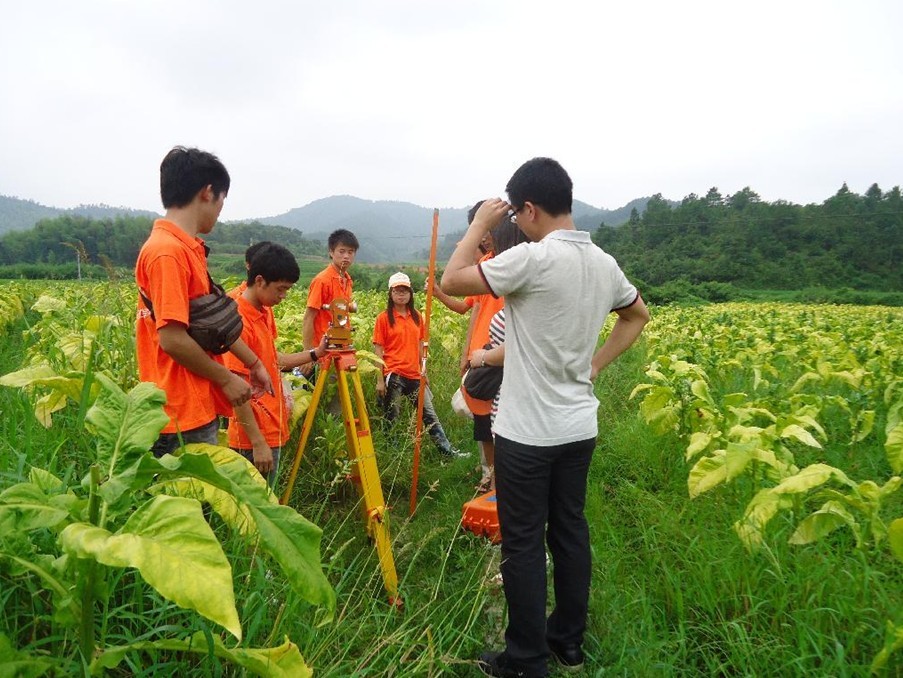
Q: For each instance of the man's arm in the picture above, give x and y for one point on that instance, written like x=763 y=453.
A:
x=261 y=452
x=461 y=276
x=175 y=342
x=630 y=323
x=257 y=371
x=288 y=361
x=489 y=357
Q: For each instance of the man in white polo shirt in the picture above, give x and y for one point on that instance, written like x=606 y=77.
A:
x=558 y=290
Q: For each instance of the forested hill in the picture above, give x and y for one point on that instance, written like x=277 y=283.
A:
x=117 y=240
x=850 y=240
x=20 y=215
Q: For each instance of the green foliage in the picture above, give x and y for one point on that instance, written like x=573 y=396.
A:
x=849 y=241
x=164 y=538
x=119 y=239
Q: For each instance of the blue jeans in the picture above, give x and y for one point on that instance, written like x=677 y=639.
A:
x=535 y=487
x=397 y=386
x=168 y=443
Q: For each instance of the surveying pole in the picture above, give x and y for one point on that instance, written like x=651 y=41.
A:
x=424 y=353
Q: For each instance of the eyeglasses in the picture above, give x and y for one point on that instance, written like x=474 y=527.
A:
x=512 y=215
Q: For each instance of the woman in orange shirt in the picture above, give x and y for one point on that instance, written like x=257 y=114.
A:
x=398 y=340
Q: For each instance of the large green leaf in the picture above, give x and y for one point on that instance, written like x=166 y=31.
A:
x=126 y=424
x=284 y=661
x=699 y=442
x=707 y=473
x=863 y=425
x=893 y=445
x=822 y=522
x=659 y=411
x=893 y=641
x=46 y=480
x=796 y=432
x=235 y=513
x=168 y=541
x=895 y=538
x=26 y=507
x=288 y=537
x=759 y=512
x=811 y=477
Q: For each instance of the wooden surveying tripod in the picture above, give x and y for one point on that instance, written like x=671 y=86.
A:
x=340 y=355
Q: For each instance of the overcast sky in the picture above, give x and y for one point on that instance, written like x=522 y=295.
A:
x=437 y=103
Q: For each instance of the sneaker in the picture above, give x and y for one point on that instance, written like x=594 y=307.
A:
x=499 y=664
x=453 y=453
x=569 y=657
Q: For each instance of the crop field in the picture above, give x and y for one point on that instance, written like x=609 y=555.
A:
x=745 y=508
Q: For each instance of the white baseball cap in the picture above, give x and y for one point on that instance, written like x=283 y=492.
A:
x=399 y=278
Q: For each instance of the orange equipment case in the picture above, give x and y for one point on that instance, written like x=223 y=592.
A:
x=481 y=517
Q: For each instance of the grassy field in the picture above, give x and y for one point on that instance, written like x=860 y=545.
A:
x=675 y=592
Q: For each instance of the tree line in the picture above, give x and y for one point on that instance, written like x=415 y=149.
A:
x=71 y=240
x=848 y=241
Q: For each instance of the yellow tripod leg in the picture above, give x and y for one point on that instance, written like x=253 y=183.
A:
x=305 y=433
x=363 y=457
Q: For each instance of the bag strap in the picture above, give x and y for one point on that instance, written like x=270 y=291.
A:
x=215 y=287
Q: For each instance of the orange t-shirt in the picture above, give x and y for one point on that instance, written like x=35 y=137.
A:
x=259 y=333
x=401 y=344
x=489 y=306
x=172 y=269
x=326 y=286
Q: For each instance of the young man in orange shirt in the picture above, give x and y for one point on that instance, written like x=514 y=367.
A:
x=259 y=428
x=170 y=271
x=330 y=283
x=398 y=340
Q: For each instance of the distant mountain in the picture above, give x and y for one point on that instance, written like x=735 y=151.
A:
x=20 y=215
x=389 y=231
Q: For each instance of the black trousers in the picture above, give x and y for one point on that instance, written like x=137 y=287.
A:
x=538 y=487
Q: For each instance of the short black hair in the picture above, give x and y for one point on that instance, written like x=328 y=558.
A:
x=184 y=172
x=543 y=182
x=274 y=264
x=344 y=237
x=254 y=249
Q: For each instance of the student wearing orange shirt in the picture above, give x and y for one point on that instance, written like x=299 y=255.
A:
x=170 y=271
x=330 y=283
x=259 y=428
x=398 y=340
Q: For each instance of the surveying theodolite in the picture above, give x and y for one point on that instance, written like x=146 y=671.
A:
x=340 y=354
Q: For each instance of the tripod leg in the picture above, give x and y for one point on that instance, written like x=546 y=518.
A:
x=360 y=443
x=305 y=433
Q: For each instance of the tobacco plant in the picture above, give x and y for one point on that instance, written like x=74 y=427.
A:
x=132 y=510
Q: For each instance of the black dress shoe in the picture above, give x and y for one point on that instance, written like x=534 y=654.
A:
x=498 y=664
x=569 y=657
